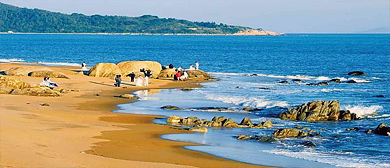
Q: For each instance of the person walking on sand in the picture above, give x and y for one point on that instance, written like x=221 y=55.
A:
x=84 y=67
x=196 y=65
x=140 y=81
x=118 y=81
x=132 y=76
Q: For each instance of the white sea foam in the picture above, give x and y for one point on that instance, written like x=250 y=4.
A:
x=358 y=80
x=322 y=78
x=362 y=111
x=60 y=64
x=336 y=158
x=331 y=90
x=255 y=102
x=11 y=60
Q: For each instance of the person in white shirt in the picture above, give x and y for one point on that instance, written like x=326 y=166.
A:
x=146 y=81
x=140 y=81
x=192 y=67
x=184 y=76
x=84 y=67
x=196 y=65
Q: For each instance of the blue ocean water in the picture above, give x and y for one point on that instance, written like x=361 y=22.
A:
x=234 y=60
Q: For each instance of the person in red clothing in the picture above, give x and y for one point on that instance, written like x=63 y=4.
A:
x=178 y=75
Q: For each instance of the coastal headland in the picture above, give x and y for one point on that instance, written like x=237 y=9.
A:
x=78 y=129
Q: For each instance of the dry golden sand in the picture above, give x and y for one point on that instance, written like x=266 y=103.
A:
x=78 y=129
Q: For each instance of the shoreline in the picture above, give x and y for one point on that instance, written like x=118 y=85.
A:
x=141 y=34
x=37 y=136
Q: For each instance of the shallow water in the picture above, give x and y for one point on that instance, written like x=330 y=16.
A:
x=234 y=60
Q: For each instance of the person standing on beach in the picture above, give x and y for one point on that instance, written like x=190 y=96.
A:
x=118 y=81
x=196 y=65
x=84 y=66
x=132 y=76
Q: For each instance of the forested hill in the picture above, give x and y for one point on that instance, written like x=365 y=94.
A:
x=25 y=20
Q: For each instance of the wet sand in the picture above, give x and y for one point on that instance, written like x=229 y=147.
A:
x=78 y=129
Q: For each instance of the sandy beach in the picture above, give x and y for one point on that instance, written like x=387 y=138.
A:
x=78 y=128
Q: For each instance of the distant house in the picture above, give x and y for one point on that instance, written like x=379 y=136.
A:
x=193 y=28
x=10 y=32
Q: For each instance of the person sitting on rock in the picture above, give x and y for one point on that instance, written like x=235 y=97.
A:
x=192 y=67
x=118 y=81
x=170 y=66
x=184 y=76
x=46 y=82
x=180 y=69
x=177 y=75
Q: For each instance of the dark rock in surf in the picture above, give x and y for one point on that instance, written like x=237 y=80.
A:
x=336 y=80
x=318 y=84
x=289 y=133
x=169 y=107
x=357 y=73
x=351 y=81
x=382 y=129
x=353 y=129
x=308 y=144
x=379 y=96
x=283 y=82
x=251 y=109
x=297 y=81
x=318 y=111
x=246 y=121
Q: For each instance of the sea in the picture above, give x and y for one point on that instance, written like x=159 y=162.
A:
x=248 y=70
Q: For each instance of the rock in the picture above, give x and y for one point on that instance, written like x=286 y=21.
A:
x=174 y=120
x=104 y=70
x=353 y=129
x=213 y=109
x=267 y=124
x=246 y=121
x=318 y=111
x=266 y=139
x=312 y=131
x=135 y=66
x=51 y=74
x=219 y=119
x=318 y=84
x=351 y=81
x=167 y=74
x=190 y=120
x=45 y=104
x=186 y=89
x=305 y=128
x=199 y=129
x=5 y=90
x=10 y=83
x=25 y=70
x=369 y=131
x=198 y=74
x=297 y=81
x=127 y=96
x=335 y=80
x=169 y=107
x=382 y=129
x=289 y=132
x=37 y=91
x=308 y=144
x=264 y=88
x=244 y=137
x=379 y=96
x=357 y=73
x=231 y=125
x=283 y=82
x=251 y=109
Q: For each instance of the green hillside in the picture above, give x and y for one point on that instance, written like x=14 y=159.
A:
x=40 y=21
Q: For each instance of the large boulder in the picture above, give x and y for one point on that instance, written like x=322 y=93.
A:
x=167 y=74
x=51 y=74
x=318 y=111
x=198 y=74
x=36 y=91
x=104 y=70
x=134 y=66
x=357 y=73
x=25 y=70
x=289 y=132
x=382 y=129
x=10 y=83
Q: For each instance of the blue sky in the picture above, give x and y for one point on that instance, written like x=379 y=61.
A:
x=287 y=16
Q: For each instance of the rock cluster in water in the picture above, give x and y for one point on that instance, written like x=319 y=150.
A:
x=217 y=121
x=381 y=129
x=318 y=111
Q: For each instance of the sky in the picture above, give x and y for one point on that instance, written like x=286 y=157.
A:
x=285 y=16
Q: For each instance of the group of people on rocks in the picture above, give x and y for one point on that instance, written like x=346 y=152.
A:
x=180 y=75
x=140 y=81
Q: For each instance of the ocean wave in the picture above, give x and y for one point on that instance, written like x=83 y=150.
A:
x=254 y=102
x=332 y=90
x=322 y=78
x=363 y=111
x=60 y=64
x=334 y=158
x=12 y=60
